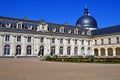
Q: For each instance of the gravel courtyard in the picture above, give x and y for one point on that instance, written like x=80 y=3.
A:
x=33 y=69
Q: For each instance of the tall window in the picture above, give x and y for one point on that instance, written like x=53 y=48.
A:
x=29 y=39
x=7 y=37
x=68 y=51
x=109 y=40
x=41 y=51
x=117 y=40
x=7 y=50
x=89 y=50
x=62 y=29
x=82 y=42
x=52 y=50
x=76 y=42
x=18 y=38
x=95 y=42
x=82 y=51
x=61 y=50
x=68 y=41
x=41 y=39
x=76 y=50
x=18 y=50
x=28 y=50
x=76 y=31
x=53 y=40
x=61 y=41
x=102 y=41
x=88 y=42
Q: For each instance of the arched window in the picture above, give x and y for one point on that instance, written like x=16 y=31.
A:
x=76 y=31
x=7 y=50
x=118 y=51
x=62 y=29
x=102 y=52
x=52 y=50
x=41 y=51
x=76 y=50
x=96 y=52
x=18 y=50
x=28 y=50
x=89 y=51
x=110 y=52
x=61 y=50
x=82 y=51
x=68 y=50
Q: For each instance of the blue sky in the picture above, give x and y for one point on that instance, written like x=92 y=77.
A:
x=106 y=12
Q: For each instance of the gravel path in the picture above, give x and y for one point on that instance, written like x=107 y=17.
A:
x=33 y=69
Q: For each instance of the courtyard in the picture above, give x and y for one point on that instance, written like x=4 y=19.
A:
x=34 y=69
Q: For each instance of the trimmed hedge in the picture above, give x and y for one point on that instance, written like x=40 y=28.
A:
x=83 y=59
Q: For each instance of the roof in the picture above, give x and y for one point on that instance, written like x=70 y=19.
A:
x=68 y=29
x=107 y=30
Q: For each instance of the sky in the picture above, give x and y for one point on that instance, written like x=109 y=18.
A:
x=106 y=12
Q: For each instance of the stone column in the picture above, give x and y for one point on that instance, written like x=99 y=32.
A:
x=57 y=46
x=106 y=52
x=65 y=47
x=99 y=52
x=23 y=46
x=114 y=52
x=12 y=46
x=1 y=45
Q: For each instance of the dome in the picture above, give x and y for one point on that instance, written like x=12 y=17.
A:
x=86 y=21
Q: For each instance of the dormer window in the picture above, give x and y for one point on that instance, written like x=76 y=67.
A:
x=76 y=31
x=19 y=25
x=69 y=31
x=54 y=30
x=8 y=25
x=62 y=29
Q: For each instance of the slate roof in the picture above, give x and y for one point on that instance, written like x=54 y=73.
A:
x=35 y=24
x=106 y=30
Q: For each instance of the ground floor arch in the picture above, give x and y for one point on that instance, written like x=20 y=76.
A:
x=102 y=50
x=117 y=51
x=96 y=52
x=110 y=52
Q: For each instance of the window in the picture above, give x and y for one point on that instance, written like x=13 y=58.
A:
x=95 y=42
x=7 y=50
x=28 y=50
x=53 y=40
x=18 y=38
x=68 y=51
x=76 y=50
x=62 y=29
x=76 y=31
x=42 y=40
x=18 y=50
x=68 y=41
x=109 y=40
x=41 y=51
x=76 y=42
x=7 y=37
x=117 y=40
x=88 y=42
x=52 y=50
x=102 y=41
x=61 y=50
x=61 y=41
x=29 y=39
x=82 y=42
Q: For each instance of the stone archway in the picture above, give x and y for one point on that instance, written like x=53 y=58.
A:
x=117 y=51
x=110 y=52
x=102 y=51
x=96 y=52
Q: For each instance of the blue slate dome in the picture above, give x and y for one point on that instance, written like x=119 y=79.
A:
x=86 y=21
